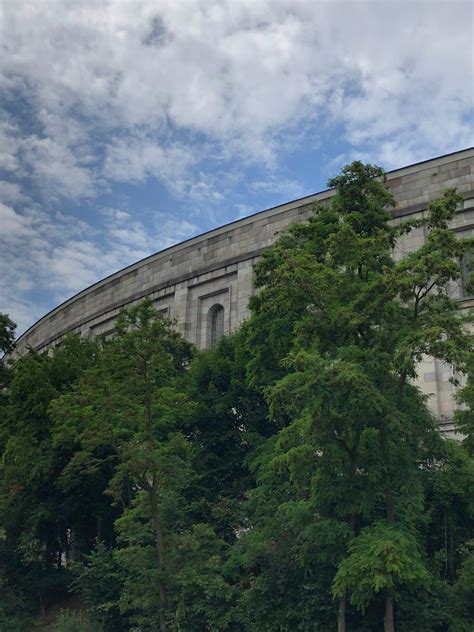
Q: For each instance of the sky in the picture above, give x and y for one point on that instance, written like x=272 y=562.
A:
x=128 y=126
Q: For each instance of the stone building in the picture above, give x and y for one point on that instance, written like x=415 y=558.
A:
x=204 y=283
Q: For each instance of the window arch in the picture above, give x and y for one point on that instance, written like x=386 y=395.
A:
x=215 y=320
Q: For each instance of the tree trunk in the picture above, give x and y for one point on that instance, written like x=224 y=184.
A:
x=341 y=614
x=389 y=624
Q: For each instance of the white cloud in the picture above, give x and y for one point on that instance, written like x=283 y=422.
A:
x=57 y=168
x=13 y=225
x=9 y=144
x=134 y=160
x=56 y=258
x=238 y=72
x=11 y=192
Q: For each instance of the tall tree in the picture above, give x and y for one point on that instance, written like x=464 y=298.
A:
x=133 y=413
x=336 y=333
x=129 y=411
x=230 y=420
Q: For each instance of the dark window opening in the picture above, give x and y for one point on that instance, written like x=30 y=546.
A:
x=216 y=324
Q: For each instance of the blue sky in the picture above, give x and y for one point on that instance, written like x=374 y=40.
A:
x=128 y=126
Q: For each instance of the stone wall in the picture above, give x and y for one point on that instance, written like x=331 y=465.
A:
x=188 y=280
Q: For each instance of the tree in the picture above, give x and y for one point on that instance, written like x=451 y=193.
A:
x=36 y=515
x=7 y=337
x=382 y=557
x=132 y=414
x=336 y=333
x=131 y=409
x=230 y=420
x=465 y=414
x=7 y=333
x=290 y=477
x=98 y=580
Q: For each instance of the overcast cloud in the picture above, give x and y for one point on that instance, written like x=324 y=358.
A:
x=127 y=126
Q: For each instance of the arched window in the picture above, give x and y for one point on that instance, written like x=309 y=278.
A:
x=215 y=324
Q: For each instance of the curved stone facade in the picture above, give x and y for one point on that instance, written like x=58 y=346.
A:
x=205 y=282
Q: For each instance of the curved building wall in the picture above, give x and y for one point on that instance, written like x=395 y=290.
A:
x=187 y=281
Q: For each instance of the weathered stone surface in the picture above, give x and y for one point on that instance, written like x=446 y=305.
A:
x=187 y=280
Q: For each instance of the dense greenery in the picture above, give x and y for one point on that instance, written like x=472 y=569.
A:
x=292 y=478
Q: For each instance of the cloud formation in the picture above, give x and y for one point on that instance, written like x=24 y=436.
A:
x=211 y=101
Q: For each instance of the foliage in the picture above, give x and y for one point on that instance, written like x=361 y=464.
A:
x=70 y=621
x=291 y=478
x=465 y=414
x=132 y=412
x=7 y=333
x=337 y=373
x=37 y=517
x=230 y=420
x=98 y=579
x=382 y=557
x=14 y=611
x=7 y=336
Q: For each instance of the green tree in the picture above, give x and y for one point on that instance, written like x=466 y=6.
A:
x=336 y=333
x=465 y=414
x=289 y=477
x=7 y=337
x=129 y=411
x=7 y=333
x=98 y=580
x=381 y=558
x=37 y=517
x=230 y=420
x=288 y=550
x=133 y=415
